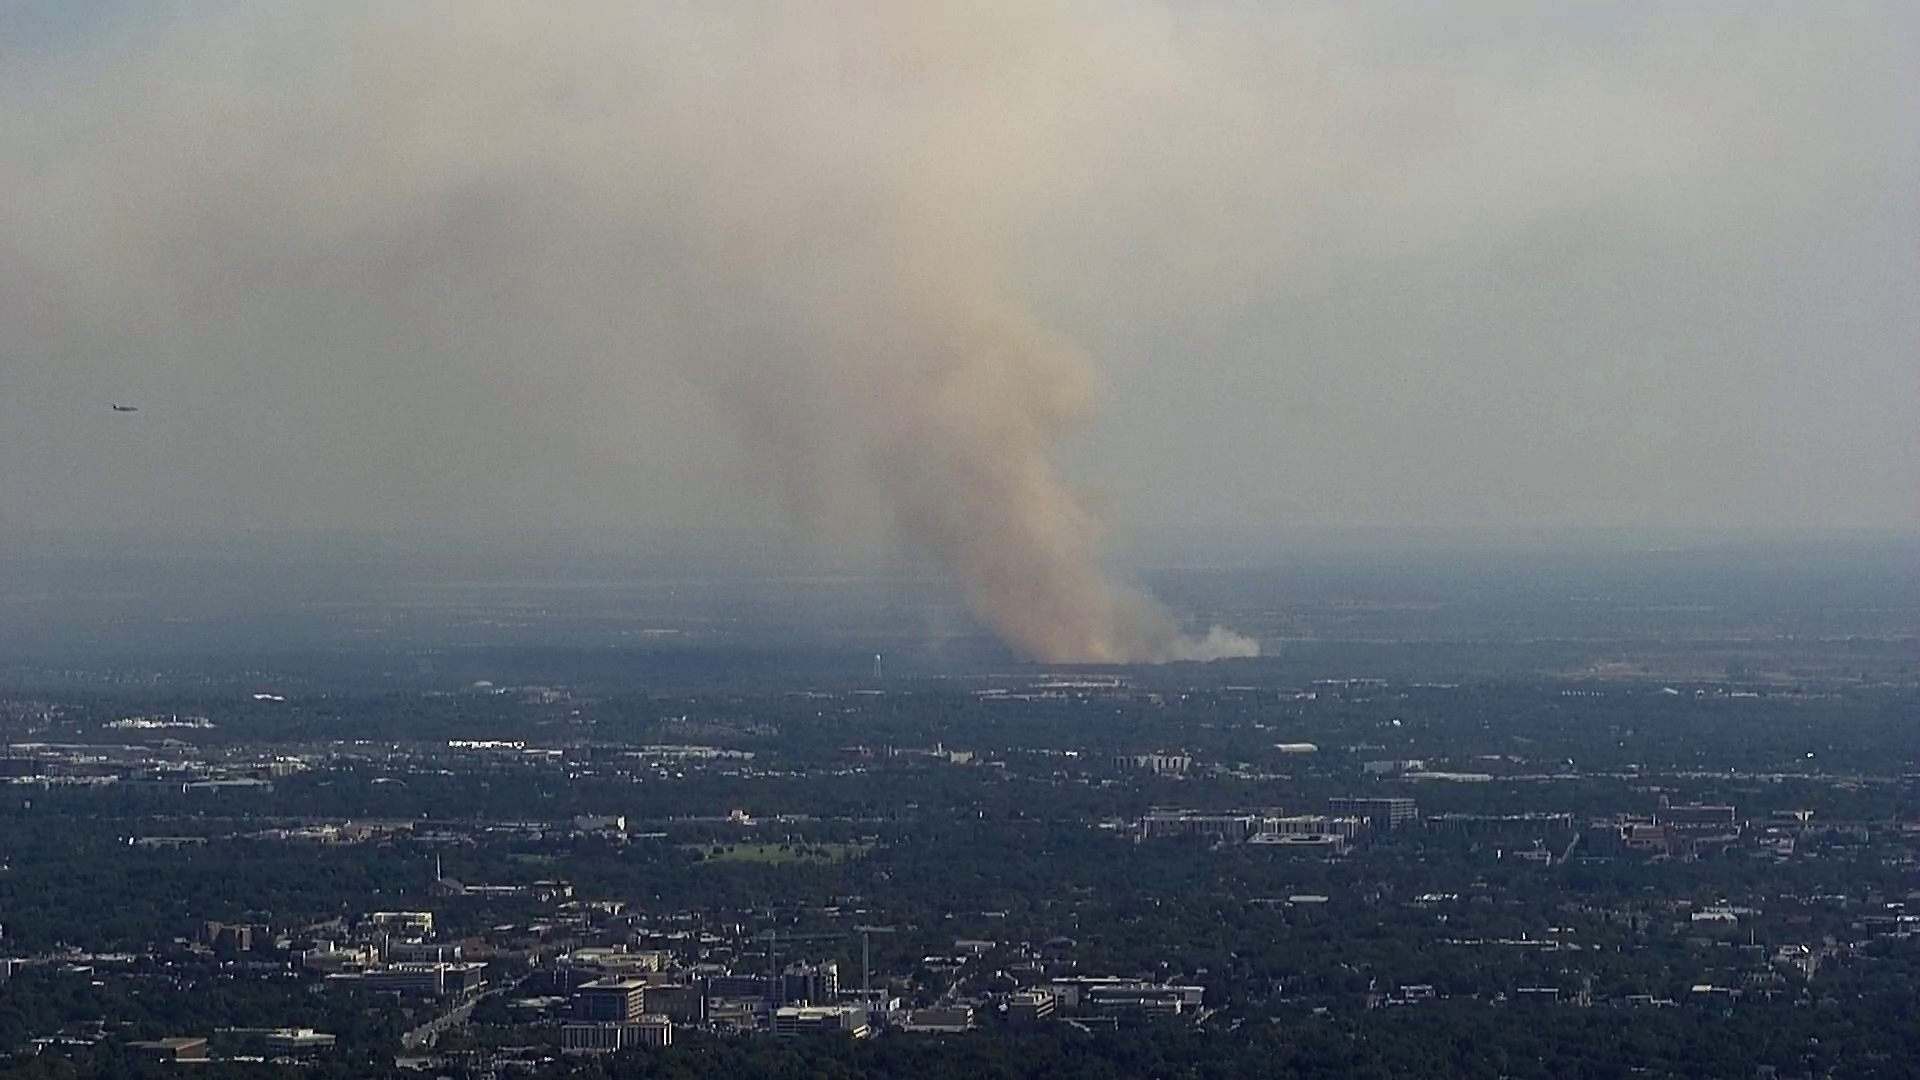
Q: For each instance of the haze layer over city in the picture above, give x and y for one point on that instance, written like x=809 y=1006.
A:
x=1040 y=539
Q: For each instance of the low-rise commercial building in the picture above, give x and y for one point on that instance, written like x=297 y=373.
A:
x=946 y=1020
x=1111 y=995
x=1323 y=843
x=1384 y=813
x=1030 y=1007
x=414 y=923
x=415 y=952
x=1698 y=816
x=794 y=1020
x=330 y=957
x=425 y=980
x=297 y=1041
x=178 y=1048
x=1231 y=828
x=1312 y=825
x=1157 y=764
x=1137 y=998
x=651 y=1031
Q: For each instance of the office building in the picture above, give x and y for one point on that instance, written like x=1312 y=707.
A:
x=1512 y=828
x=877 y=1001
x=945 y=1020
x=1157 y=764
x=791 y=1020
x=329 y=957
x=650 y=1031
x=814 y=984
x=1030 y=1007
x=414 y=952
x=1320 y=843
x=1230 y=828
x=610 y=1001
x=408 y=923
x=1647 y=838
x=1312 y=825
x=1142 y=999
x=1112 y=995
x=290 y=1042
x=1383 y=813
x=585 y=964
x=228 y=937
x=1696 y=816
x=174 y=1049
x=736 y=1016
x=740 y=986
x=683 y=1003
x=425 y=980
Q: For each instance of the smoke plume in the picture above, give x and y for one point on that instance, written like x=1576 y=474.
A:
x=865 y=336
x=849 y=264
x=786 y=206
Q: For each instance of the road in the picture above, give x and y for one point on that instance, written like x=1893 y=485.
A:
x=1567 y=855
x=429 y=1033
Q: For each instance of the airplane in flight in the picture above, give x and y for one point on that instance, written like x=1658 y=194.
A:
x=126 y=408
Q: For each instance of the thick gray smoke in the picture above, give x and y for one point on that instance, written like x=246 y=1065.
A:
x=954 y=400
x=867 y=337
x=793 y=196
x=837 y=292
x=848 y=263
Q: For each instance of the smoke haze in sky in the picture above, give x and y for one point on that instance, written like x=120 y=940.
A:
x=867 y=268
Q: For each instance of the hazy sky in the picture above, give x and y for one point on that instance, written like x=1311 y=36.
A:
x=566 y=264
